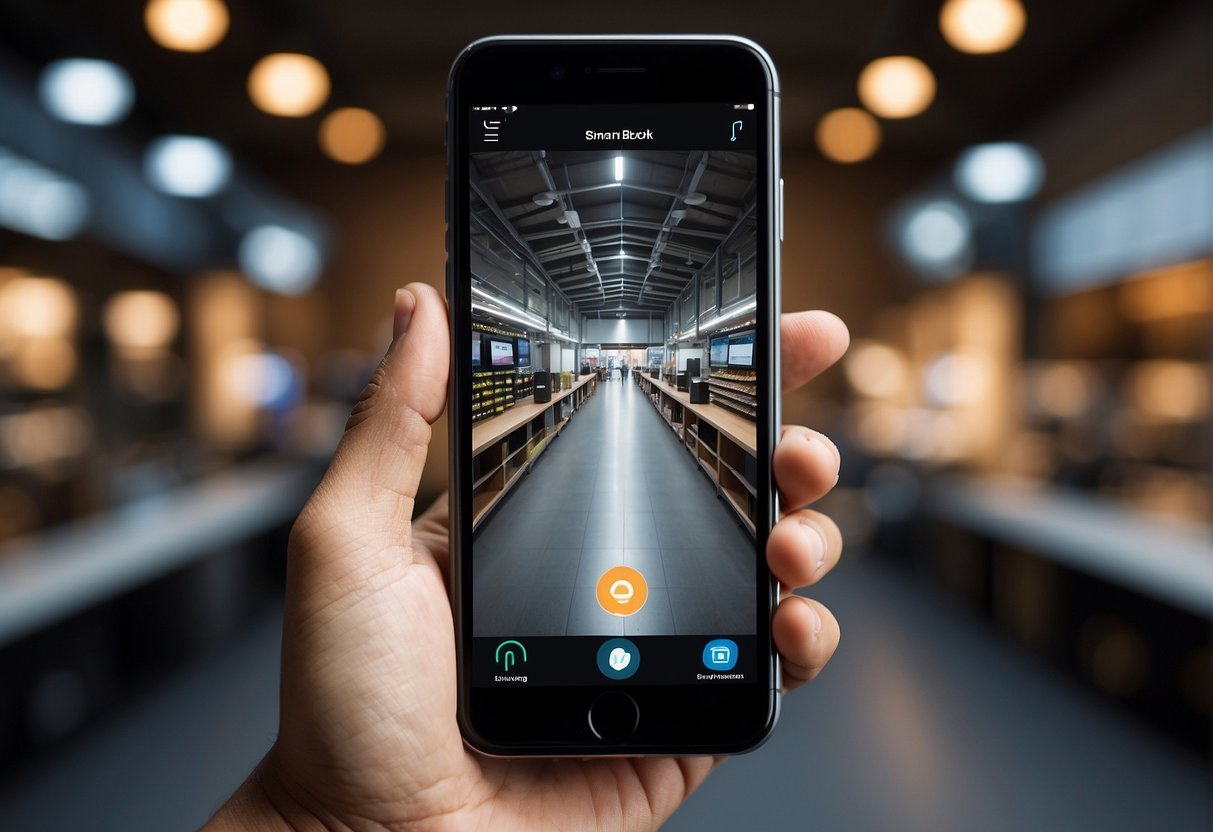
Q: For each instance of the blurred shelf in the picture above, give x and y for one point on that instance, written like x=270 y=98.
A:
x=54 y=574
x=1169 y=560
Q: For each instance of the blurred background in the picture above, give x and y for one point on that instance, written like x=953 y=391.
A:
x=205 y=207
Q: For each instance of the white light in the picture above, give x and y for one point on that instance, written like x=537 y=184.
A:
x=999 y=172
x=618 y=168
x=263 y=379
x=37 y=201
x=279 y=259
x=86 y=91
x=187 y=165
x=936 y=237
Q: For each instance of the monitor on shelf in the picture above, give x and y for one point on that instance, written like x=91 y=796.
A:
x=719 y=352
x=524 y=352
x=741 y=349
x=501 y=352
x=476 y=341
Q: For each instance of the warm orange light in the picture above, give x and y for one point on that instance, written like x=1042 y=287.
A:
x=1172 y=292
x=140 y=320
x=186 y=25
x=37 y=307
x=351 y=135
x=848 y=135
x=1170 y=390
x=980 y=27
x=899 y=86
x=43 y=363
x=289 y=84
x=875 y=370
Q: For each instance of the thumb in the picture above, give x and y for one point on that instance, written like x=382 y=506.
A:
x=377 y=466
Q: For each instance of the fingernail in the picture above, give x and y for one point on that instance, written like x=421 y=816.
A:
x=406 y=302
x=825 y=450
x=817 y=541
x=814 y=619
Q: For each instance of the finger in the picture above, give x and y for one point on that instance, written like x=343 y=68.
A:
x=806 y=466
x=809 y=343
x=803 y=547
x=377 y=466
x=806 y=635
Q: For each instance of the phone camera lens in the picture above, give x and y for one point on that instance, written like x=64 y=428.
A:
x=557 y=73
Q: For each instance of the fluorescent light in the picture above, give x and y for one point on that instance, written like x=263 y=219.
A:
x=86 y=91
x=618 y=168
x=522 y=319
x=732 y=313
x=191 y=166
x=573 y=219
x=280 y=259
x=37 y=201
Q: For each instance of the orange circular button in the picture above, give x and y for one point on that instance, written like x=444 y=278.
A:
x=622 y=590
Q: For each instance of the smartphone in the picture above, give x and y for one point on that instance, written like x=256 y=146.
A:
x=615 y=219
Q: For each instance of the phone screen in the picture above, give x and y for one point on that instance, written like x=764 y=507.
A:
x=613 y=513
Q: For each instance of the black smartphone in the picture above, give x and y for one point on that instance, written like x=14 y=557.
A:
x=615 y=218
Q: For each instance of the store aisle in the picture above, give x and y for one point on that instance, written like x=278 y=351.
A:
x=615 y=488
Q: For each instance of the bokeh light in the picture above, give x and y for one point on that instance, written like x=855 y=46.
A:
x=999 y=172
x=186 y=25
x=191 y=166
x=981 y=27
x=280 y=259
x=289 y=84
x=936 y=237
x=848 y=135
x=352 y=135
x=86 y=91
x=37 y=201
x=37 y=307
x=899 y=86
x=140 y=319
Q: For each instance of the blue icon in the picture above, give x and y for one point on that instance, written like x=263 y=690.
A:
x=720 y=654
x=507 y=652
x=737 y=125
x=618 y=658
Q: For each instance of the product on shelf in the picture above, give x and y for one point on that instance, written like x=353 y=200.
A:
x=736 y=389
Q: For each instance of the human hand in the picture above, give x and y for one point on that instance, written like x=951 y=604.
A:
x=367 y=735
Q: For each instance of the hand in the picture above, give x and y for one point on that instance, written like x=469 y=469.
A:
x=367 y=736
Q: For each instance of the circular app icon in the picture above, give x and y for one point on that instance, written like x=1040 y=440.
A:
x=622 y=590
x=618 y=658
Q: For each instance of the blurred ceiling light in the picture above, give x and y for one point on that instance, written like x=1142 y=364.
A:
x=38 y=201
x=260 y=378
x=695 y=199
x=191 y=166
x=352 y=135
x=999 y=172
x=1170 y=390
x=86 y=91
x=1062 y=389
x=981 y=27
x=186 y=25
x=953 y=379
x=38 y=307
x=545 y=199
x=1172 y=292
x=618 y=168
x=280 y=259
x=936 y=237
x=141 y=319
x=289 y=84
x=899 y=86
x=43 y=363
x=875 y=370
x=848 y=135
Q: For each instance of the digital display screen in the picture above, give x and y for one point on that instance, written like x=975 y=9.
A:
x=741 y=349
x=476 y=341
x=502 y=353
x=606 y=554
x=524 y=352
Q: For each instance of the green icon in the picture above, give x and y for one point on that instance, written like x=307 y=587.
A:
x=509 y=658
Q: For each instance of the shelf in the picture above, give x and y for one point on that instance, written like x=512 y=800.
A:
x=744 y=483
x=735 y=499
x=711 y=471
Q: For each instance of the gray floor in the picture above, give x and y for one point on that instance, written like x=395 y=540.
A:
x=925 y=720
x=614 y=488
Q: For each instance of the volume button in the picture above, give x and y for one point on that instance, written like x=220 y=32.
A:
x=781 y=209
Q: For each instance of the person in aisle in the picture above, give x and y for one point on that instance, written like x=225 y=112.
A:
x=623 y=371
x=367 y=734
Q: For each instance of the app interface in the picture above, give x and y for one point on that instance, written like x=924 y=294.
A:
x=616 y=386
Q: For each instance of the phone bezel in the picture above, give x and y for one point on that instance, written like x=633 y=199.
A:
x=683 y=719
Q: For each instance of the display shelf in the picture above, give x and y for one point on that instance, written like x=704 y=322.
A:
x=735 y=389
x=506 y=445
x=721 y=442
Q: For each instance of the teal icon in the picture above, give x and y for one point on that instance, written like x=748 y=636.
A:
x=507 y=653
x=737 y=125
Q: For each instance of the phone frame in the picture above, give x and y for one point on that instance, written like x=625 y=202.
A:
x=675 y=719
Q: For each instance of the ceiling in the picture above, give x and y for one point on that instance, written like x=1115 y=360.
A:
x=628 y=246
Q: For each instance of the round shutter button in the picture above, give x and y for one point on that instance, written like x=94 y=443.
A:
x=614 y=716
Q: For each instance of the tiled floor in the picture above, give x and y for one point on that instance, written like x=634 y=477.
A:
x=614 y=488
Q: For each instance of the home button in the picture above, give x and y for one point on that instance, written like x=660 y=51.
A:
x=614 y=716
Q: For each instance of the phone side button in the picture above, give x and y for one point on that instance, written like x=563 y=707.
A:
x=613 y=716
x=781 y=209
